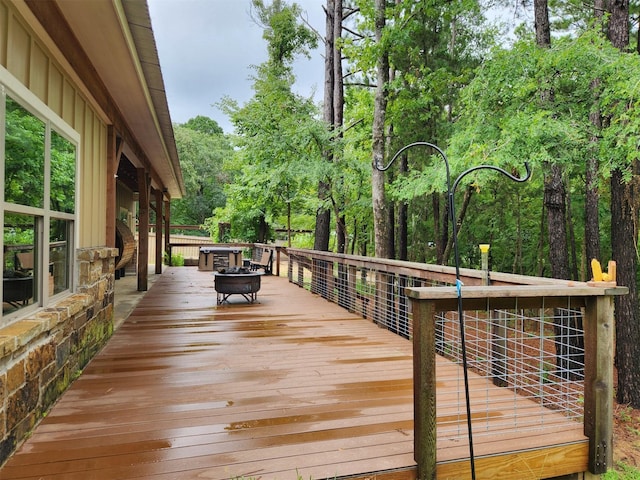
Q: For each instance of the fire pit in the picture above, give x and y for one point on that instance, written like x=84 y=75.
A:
x=237 y=281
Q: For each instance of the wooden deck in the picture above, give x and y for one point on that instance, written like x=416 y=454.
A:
x=291 y=386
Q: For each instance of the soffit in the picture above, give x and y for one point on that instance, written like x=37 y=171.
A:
x=118 y=40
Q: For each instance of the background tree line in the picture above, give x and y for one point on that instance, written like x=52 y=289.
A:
x=562 y=96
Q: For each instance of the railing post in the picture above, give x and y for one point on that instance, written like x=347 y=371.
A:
x=599 y=328
x=498 y=329
x=301 y=273
x=424 y=388
x=319 y=277
x=380 y=300
x=342 y=284
x=352 y=288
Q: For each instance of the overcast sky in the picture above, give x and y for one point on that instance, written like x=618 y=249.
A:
x=207 y=47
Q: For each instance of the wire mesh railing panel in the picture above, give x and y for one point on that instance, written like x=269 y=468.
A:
x=520 y=352
x=377 y=295
x=526 y=366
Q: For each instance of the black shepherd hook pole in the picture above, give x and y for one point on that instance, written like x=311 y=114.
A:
x=451 y=190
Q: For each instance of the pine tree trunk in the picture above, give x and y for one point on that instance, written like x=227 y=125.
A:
x=624 y=237
x=263 y=230
x=463 y=212
x=516 y=267
x=626 y=307
x=323 y=215
x=567 y=341
x=380 y=214
x=572 y=240
x=592 y=196
x=440 y=228
x=338 y=113
x=540 y=247
x=403 y=212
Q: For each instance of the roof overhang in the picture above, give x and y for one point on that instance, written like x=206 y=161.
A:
x=117 y=39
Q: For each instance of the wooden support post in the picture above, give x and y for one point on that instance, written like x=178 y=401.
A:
x=159 y=223
x=498 y=330
x=599 y=331
x=277 y=262
x=143 y=229
x=424 y=388
x=499 y=348
x=113 y=159
x=167 y=224
x=403 y=307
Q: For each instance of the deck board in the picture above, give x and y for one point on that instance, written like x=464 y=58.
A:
x=291 y=385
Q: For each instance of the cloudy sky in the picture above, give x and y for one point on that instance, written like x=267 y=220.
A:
x=207 y=47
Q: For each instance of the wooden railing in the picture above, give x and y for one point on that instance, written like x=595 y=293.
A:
x=548 y=340
x=189 y=248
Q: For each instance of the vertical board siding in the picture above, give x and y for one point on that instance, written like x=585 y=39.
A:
x=18 y=50
x=68 y=102
x=54 y=99
x=28 y=59
x=38 y=72
x=4 y=15
x=100 y=151
x=88 y=173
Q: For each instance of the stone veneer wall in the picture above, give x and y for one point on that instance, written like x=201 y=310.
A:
x=40 y=355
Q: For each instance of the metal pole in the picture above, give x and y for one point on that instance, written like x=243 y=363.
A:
x=451 y=193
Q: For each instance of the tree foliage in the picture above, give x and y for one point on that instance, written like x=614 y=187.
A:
x=203 y=149
x=449 y=88
x=279 y=136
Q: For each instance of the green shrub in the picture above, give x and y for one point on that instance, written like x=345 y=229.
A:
x=177 y=259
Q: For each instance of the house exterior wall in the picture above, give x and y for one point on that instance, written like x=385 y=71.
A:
x=25 y=57
x=41 y=353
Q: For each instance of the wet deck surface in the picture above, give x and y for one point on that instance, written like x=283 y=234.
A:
x=189 y=389
x=289 y=387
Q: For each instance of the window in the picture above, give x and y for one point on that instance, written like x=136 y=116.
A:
x=39 y=157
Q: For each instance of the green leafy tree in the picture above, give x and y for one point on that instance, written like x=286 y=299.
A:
x=504 y=122
x=204 y=125
x=279 y=137
x=24 y=156
x=432 y=48
x=624 y=234
x=203 y=148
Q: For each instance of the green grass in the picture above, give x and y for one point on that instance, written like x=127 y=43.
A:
x=622 y=471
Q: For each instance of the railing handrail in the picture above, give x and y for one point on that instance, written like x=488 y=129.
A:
x=468 y=275
x=560 y=289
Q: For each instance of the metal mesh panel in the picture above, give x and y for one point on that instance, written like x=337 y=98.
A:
x=515 y=351
x=534 y=358
x=375 y=294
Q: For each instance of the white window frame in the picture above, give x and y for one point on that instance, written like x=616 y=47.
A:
x=9 y=86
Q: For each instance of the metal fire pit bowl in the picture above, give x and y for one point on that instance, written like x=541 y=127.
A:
x=237 y=281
